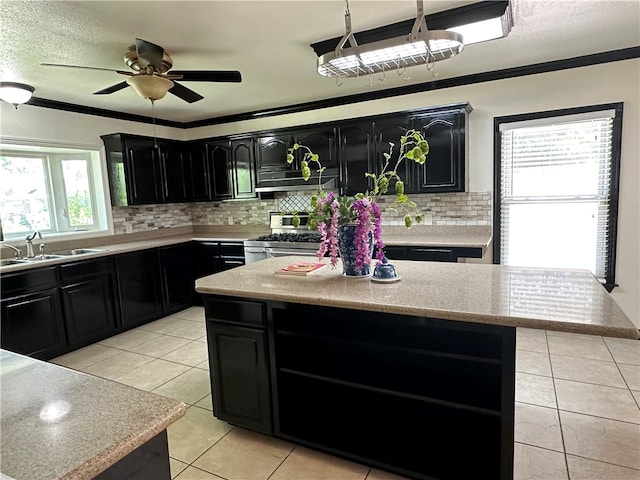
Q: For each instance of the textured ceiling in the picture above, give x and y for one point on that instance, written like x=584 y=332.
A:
x=268 y=41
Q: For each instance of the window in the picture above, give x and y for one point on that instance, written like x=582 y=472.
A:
x=53 y=190
x=556 y=189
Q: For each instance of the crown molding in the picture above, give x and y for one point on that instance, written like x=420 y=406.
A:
x=533 y=69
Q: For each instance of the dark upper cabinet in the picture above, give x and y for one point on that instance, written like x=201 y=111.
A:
x=142 y=169
x=243 y=168
x=445 y=168
x=145 y=171
x=221 y=168
x=271 y=152
x=173 y=168
x=198 y=177
x=355 y=151
x=389 y=130
x=321 y=140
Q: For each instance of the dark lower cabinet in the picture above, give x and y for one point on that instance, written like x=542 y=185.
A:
x=32 y=324
x=400 y=393
x=240 y=387
x=89 y=310
x=176 y=268
x=89 y=300
x=139 y=285
x=238 y=363
x=431 y=254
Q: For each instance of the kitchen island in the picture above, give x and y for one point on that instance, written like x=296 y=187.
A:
x=416 y=377
x=58 y=423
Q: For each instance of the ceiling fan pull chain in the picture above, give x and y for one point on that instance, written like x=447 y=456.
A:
x=153 y=117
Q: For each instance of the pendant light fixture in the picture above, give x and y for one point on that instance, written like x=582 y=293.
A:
x=15 y=93
x=420 y=47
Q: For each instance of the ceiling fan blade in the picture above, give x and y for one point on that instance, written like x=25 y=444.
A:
x=209 y=75
x=185 y=93
x=121 y=72
x=113 y=88
x=149 y=54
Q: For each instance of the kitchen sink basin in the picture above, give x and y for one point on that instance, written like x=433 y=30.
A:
x=39 y=258
x=11 y=261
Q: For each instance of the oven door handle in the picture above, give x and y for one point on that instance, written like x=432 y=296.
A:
x=278 y=252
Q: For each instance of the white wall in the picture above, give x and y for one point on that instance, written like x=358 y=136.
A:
x=611 y=82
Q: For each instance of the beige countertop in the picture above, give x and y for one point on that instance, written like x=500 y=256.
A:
x=427 y=236
x=58 y=423
x=563 y=300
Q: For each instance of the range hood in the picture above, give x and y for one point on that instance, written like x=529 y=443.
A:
x=296 y=183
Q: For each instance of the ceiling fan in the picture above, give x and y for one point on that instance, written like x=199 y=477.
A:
x=152 y=79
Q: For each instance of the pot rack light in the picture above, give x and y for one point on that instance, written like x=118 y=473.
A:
x=420 y=47
x=15 y=93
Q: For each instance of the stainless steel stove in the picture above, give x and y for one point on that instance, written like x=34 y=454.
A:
x=284 y=239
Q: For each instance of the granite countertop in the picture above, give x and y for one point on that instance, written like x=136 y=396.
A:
x=471 y=236
x=426 y=236
x=563 y=300
x=58 y=423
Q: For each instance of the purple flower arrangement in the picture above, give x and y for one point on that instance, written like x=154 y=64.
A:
x=330 y=212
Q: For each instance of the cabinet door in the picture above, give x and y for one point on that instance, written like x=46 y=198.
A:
x=177 y=277
x=240 y=378
x=444 y=170
x=219 y=155
x=356 y=158
x=198 y=176
x=244 y=182
x=89 y=310
x=139 y=287
x=388 y=130
x=32 y=324
x=321 y=141
x=173 y=169
x=143 y=171
x=271 y=152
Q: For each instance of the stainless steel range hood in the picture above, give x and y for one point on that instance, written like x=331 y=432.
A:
x=297 y=183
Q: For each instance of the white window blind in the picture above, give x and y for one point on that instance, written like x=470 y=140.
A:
x=555 y=176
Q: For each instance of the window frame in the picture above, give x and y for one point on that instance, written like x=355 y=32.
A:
x=616 y=149
x=53 y=155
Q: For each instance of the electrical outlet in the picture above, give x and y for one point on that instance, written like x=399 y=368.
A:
x=427 y=219
x=230 y=220
x=128 y=228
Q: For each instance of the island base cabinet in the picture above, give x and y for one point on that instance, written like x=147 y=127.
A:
x=423 y=397
x=149 y=461
x=240 y=378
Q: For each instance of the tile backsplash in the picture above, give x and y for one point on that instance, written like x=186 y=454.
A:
x=465 y=208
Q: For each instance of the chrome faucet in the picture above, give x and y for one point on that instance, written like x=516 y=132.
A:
x=17 y=251
x=30 y=253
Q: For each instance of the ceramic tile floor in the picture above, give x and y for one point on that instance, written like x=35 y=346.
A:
x=576 y=416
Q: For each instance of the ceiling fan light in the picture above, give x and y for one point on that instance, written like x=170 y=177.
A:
x=15 y=93
x=150 y=87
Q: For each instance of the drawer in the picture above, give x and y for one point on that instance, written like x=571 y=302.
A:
x=432 y=254
x=136 y=259
x=238 y=312
x=170 y=252
x=75 y=270
x=29 y=280
x=232 y=249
